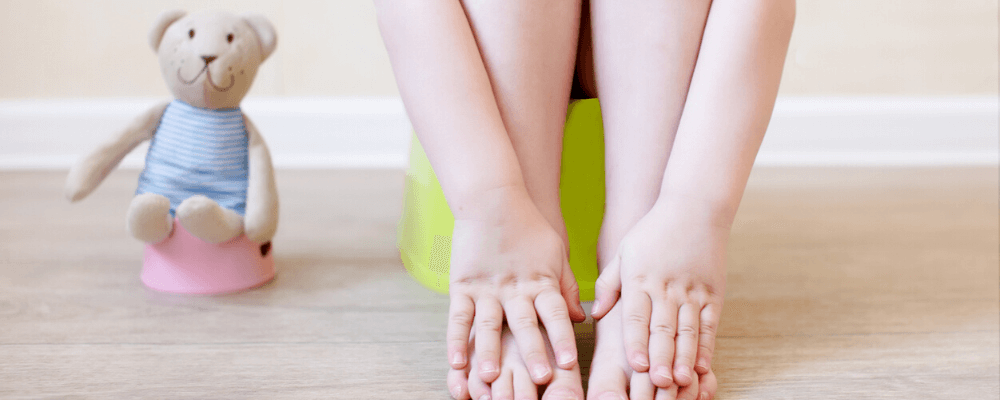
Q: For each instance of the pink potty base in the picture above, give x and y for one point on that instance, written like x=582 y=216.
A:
x=183 y=263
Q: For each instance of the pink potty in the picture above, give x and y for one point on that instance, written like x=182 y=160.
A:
x=182 y=263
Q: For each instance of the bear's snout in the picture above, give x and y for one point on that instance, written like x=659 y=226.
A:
x=208 y=59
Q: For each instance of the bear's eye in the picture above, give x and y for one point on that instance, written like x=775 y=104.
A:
x=229 y=38
x=191 y=33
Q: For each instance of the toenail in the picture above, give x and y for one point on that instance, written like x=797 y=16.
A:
x=562 y=394
x=539 y=372
x=612 y=396
x=456 y=391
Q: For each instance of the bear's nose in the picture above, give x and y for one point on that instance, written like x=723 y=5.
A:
x=208 y=59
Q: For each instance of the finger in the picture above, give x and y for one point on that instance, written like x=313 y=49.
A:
x=687 y=344
x=458 y=383
x=706 y=338
x=489 y=322
x=523 y=323
x=636 y=308
x=607 y=289
x=662 y=332
x=640 y=387
x=708 y=384
x=689 y=392
x=524 y=388
x=552 y=311
x=478 y=389
x=503 y=387
x=570 y=290
x=460 y=314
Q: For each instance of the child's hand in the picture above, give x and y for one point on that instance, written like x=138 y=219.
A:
x=670 y=272
x=508 y=261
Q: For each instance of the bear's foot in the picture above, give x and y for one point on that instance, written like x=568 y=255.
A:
x=149 y=218
x=209 y=221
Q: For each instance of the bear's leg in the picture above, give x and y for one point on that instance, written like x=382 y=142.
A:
x=149 y=218
x=209 y=221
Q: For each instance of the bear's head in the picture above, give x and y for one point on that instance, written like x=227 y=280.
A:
x=209 y=59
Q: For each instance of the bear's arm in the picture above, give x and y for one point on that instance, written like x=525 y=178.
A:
x=261 y=219
x=86 y=174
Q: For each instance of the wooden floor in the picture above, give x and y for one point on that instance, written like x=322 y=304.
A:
x=843 y=284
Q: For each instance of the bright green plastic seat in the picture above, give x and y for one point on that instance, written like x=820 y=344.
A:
x=424 y=232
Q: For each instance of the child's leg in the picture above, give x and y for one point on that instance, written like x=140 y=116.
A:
x=644 y=55
x=528 y=48
x=670 y=266
x=506 y=259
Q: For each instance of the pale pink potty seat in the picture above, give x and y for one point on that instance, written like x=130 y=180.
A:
x=183 y=263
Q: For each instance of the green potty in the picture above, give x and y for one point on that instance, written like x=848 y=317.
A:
x=424 y=232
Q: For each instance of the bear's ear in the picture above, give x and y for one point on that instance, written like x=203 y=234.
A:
x=163 y=22
x=265 y=33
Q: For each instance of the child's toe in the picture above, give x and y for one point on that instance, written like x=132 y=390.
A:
x=503 y=387
x=565 y=385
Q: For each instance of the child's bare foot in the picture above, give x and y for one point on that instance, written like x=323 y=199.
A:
x=611 y=377
x=514 y=382
x=670 y=272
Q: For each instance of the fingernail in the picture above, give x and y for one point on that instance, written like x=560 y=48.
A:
x=684 y=372
x=488 y=367
x=595 y=307
x=704 y=396
x=566 y=358
x=485 y=397
x=458 y=359
x=612 y=396
x=539 y=372
x=642 y=361
x=456 y=391
x=664 y=373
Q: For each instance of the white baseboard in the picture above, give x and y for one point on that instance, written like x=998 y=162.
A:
x=883 y=131
x=375 y=132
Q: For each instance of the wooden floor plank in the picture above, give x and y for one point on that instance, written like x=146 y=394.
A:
x=843 y=283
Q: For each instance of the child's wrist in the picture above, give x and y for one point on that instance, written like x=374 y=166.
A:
x=694 y=210
x=489 y=203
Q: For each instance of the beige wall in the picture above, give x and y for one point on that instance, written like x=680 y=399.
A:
x=97 y=48
x=893 y=47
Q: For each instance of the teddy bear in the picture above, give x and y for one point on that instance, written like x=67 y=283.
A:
x=207 y=167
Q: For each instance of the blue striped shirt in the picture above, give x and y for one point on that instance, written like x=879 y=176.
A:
x=198 y=151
